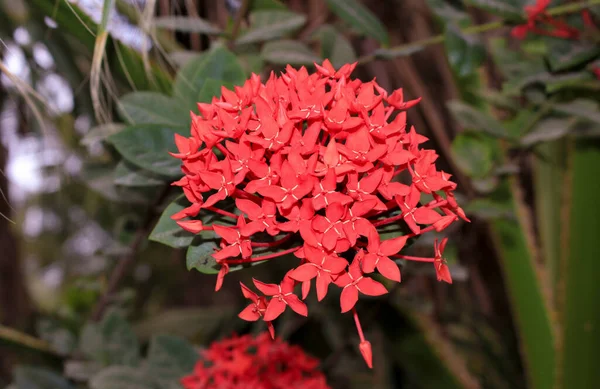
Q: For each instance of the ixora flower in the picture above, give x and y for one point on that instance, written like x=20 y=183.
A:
x=312 y=163
x=255 y=362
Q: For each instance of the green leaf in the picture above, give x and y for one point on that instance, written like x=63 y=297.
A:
x=100 y=133
x=187 y=322
x=122 y=377
x=169 y=359
x=186 y=24
x=110 y=342
x=101 y=179
x=335 y=46
x=581 y=108
x=147 y=146
x=267 y=25
x=507 y=9
x=566 y=54
x=127 y=174
x=580 y=313
x=153 y=108
x=547 y=130
x=36 y=378
x=473 y=154
x=210 y=89
x=199 y=255
x=285 y=52
x=403 y=51
x=488 y=209
x=81 y=370
x=360 y=18
x=523 y=282
x=448 y=12
x=60 y=339
x=472 y=119
x=218 y=64
x=465 y=52
x=166 y=230
x=256 y=5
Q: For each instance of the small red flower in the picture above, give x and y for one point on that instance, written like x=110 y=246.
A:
x=354 y=281
x=282 y=295
x=441 y=268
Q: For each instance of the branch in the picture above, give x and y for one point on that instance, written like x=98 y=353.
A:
x=128 y=259
x=11 y=335
x=237 y=24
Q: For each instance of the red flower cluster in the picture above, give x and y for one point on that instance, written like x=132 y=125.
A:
x=257 y=363
x=317 y=157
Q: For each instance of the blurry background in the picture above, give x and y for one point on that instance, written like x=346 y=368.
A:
x=516 y=129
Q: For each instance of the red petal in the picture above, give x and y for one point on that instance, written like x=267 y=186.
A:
x=323 y=281
x=392 y=246
x=331 y=157
x=348 y=298
x=248 y=293
x=443 y=273
x=274 y=192
x=424 y=215
x=297 y=306
x=305 y=272
x=267 y=289
x=305 y=289
x=371 y=181
x=368 y=263
x=249 y=313
x=274 y=309
x=371 y=287
x=388 y=269
x=230 y=235
x=249 y=207
x=193 y=226
x=335 y=264
x=335 y=212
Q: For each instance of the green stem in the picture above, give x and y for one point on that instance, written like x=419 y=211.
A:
x=13 y=336
x=413 y=47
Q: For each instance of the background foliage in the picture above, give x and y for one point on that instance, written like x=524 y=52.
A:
x=94 y=291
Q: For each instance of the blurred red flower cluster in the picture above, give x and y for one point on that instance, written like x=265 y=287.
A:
x=257 y=363
x=314 y=159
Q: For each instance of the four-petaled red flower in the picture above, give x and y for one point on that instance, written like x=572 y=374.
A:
x=354 y=281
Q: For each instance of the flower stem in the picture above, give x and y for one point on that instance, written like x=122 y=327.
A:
x=262 y=257
x=411 y=258
x=413 y=47
x=223 y=212
x=274 y=243
x=358 y=326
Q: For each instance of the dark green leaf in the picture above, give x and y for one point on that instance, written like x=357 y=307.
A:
x=473 y=155
x=267 y=25
x=36 y=378
x=199 y=255
x=169 y=359
x=210 y=89
x=335 y=46
x=219 y=64
x=188 y=322
x=565 y=54
x=285 y=52
x=100 y=133
x=167 y=231
x=147 y=146
x=547 y=130
x=153 y=108
x=110 y=342
x=60 y=339
x=472 y=119
x=101 y=179
x=448 y=12
x=360 y=18
x=186 y=24
x=127 y=174
x=397 y=52
x=122 y=377
x=465 y=52
x=581 y=108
